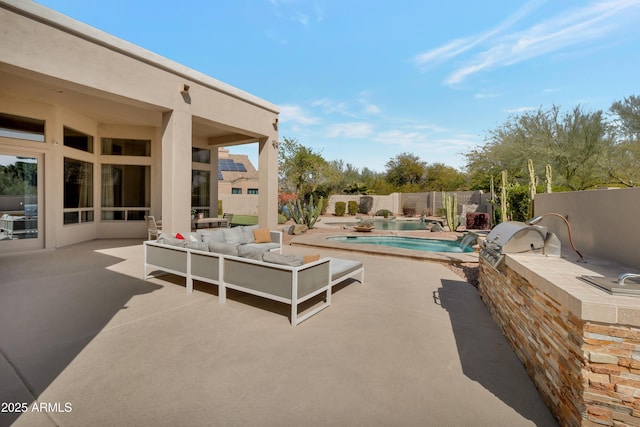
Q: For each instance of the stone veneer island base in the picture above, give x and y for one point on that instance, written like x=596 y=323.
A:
x=579 y=345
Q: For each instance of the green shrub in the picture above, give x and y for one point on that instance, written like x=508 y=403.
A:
x=282 y=219
x=384 y=212
x=352 y=207
x=341 y=207
x=365 y=205
x=518 y=200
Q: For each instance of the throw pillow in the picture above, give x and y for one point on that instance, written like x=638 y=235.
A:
x=223 y=248
x=290 y=260
x=248 y=233
x=234 y=235
x=262 y=235
x=216 y=236
x=173 y=242
x=310 y=258
x=251 y=252
x=179 y=236
x=200 y=246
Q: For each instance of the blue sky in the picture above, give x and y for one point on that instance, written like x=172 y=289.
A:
x=365 y=80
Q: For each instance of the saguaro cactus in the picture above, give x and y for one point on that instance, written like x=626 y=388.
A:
x=503 y=197
x=532 y=187
x=549 y=177
x=450 y=204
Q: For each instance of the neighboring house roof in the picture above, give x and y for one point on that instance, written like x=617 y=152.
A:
x=235 y=167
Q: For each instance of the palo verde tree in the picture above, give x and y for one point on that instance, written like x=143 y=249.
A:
x=406 y=172
x=624 y=161
x=576 y=144
x=301 y=169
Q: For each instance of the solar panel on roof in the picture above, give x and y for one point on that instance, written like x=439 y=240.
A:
x=228 y=165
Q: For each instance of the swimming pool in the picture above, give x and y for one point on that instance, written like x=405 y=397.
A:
x=389 y=224
x=415 y=243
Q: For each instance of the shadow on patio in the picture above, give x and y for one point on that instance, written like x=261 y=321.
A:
x=78 y=325
x=52 y=304
x=484 y=353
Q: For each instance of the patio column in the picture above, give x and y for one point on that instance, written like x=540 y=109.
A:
x=213 y=183
x=268 y=182
x=176 y=171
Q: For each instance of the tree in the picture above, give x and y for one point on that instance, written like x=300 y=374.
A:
x=440 y=177
x=627 y=114
x=406 y=172
x=576 y=144
x=300 y=168
x=624 y=161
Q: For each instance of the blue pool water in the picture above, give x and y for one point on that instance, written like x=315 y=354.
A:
x=415 y=243
x=389 y=224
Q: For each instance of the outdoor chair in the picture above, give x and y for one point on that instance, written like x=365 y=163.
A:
x=228 y=216
x=153 y=226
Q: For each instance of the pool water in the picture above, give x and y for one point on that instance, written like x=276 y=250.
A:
x=389 y=224
x=415 y=243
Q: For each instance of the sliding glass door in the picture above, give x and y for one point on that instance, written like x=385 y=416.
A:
x=20 y=219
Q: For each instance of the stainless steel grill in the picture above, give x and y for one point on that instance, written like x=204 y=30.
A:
x=512 y=237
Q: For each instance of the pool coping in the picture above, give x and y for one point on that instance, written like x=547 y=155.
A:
x=321 y=241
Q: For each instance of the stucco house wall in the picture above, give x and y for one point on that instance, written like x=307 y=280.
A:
x=69 y=74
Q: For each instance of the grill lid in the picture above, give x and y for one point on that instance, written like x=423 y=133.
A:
x=515 y=236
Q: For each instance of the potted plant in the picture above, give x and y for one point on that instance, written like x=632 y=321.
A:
x=363 y=226
x=409 y=210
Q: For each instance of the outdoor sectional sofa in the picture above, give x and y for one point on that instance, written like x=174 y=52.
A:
x=263 y=272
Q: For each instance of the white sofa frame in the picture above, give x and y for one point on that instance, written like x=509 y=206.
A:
x=289 y=285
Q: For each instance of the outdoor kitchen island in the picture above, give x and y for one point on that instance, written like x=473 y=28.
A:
x=579 y=344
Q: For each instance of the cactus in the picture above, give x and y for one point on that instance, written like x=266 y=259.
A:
x=307 y=214
x=492 y=201
x=503 y=197
x=532 y=188
x=450 y=204
x=549 y=177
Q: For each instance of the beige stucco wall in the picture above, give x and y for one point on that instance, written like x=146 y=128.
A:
x=69 y=74
x=604 y=223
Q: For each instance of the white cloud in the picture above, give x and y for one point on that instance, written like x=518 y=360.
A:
x=401 y=138
x=485 y=95
x=329 y=106
x=350 y=130
x=299 y=12
x=520 y=109
x=459 y=46
x=568 y=29
x=295 y=114
x=371 y=109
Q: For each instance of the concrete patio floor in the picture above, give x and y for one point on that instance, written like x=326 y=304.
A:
x=412 y=346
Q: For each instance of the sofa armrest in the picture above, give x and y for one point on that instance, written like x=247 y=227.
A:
x=276 y=237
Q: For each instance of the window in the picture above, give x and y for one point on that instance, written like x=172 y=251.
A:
x=78 y=140
x=19 y=197
x=125 y=147
x=236 y=190
x=200 y=155
x=252 y=191
x=200 y=194
x=78 y=191
x=125 y=192
x=21 y=128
